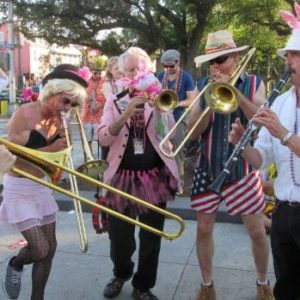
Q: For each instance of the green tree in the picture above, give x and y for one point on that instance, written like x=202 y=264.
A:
x=156 y=25
x=150 y=24
x=257 y=24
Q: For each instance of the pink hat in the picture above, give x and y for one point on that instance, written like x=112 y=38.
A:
x=218 y=43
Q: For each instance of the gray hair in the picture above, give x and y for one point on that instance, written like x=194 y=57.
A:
x=143 y=57
x=57 y=86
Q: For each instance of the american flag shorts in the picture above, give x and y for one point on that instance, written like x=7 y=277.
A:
x=244 y=196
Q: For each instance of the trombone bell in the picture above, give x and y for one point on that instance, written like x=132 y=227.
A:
x=93 y=168
x=222 y=97
x=167 y=100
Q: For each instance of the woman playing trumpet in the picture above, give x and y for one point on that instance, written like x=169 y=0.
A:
x=28 y=206
x=137 y=167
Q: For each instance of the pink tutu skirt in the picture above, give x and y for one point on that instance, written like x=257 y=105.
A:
x=154 y=186
x=26 y=203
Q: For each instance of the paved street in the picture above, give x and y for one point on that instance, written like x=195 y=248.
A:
x=80 y=276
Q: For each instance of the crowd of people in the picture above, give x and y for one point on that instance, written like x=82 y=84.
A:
x=125 y=122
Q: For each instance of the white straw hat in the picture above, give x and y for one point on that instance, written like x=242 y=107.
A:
x=293 y=43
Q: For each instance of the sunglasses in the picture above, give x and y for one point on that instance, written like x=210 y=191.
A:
x=96 y=73
x=68 y=101
x=219 y=60
x=169 y=66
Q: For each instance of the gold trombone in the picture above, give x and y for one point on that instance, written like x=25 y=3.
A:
x=221 y=97
x=74 y=188
x=53 y=165
x=92 y=167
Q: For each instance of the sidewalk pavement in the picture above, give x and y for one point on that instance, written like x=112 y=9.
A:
x=80 y=276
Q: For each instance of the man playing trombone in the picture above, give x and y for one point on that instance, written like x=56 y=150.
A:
x=243 y=193
x=27 y=206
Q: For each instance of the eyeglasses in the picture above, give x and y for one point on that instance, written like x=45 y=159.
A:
x=96 y=73
x=68 y=101
x=169 y=66
x=219 y=60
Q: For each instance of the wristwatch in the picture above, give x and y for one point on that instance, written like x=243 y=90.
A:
x=286 y=138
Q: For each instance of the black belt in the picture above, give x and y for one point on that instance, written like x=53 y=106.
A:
x=291 y=204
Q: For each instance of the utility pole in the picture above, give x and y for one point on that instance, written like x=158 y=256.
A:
x=12 y=83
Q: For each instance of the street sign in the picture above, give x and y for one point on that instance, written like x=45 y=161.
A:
x=6 y=45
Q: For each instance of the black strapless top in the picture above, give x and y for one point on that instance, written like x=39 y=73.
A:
x=37 y=140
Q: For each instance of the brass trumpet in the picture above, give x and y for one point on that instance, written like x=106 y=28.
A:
x=220 y=97
x=167 y=100
x=40 y=160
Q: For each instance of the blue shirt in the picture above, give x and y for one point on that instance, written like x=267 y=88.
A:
x=186 y=85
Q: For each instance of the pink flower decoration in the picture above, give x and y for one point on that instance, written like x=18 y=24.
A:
x=95 y=52
x=85 y=73
x=290 y=19
x=143 y=82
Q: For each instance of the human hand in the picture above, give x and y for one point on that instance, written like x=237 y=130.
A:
x=58 y=145
x=217 y=76
x=267 y=118
x=236 y=132
x=6 y=159
x=135 y=106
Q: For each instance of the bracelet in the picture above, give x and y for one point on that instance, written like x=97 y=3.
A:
x=286 y=138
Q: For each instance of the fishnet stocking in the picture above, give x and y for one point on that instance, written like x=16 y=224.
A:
x=40 y=251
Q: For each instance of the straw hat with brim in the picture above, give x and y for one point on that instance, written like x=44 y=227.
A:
x=218 y=43
x=293 y=43
x=65 y=74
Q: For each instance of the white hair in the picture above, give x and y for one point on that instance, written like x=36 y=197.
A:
x=144 y=59
x=57 y=86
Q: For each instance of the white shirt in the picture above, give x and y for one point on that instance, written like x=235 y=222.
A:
x=271 y=149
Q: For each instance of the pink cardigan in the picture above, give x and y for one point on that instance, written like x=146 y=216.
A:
x=118 y=143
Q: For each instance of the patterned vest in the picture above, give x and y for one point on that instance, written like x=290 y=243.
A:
x=215 y=148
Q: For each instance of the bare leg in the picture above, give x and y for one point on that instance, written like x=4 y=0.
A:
x=260 y=246
x=205 y=244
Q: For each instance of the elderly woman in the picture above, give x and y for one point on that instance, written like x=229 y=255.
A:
x=137 y=167
x=28 y=206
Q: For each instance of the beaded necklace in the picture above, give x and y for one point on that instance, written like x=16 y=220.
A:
x=292 y=159
x=178 y=81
